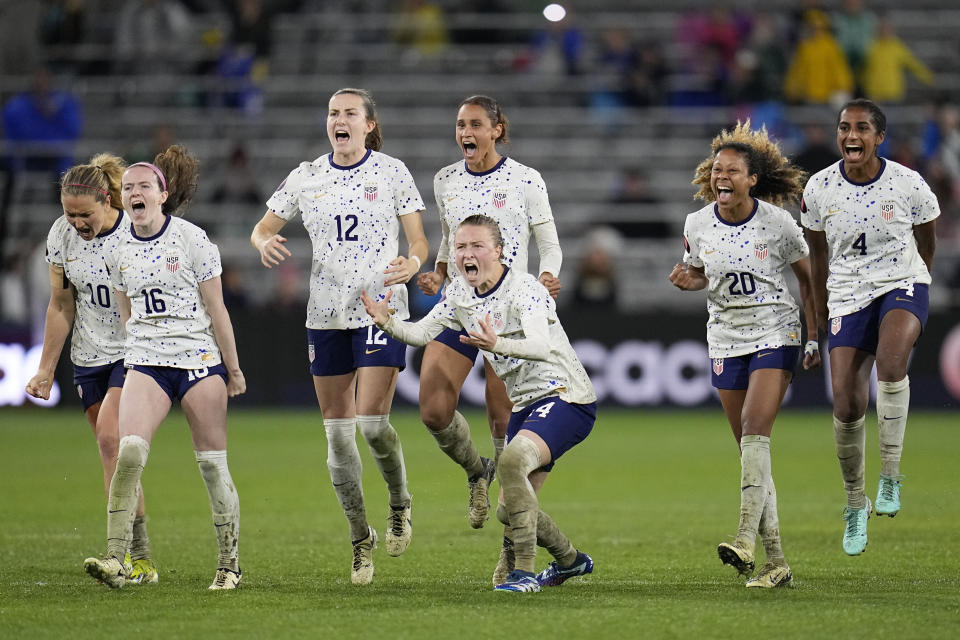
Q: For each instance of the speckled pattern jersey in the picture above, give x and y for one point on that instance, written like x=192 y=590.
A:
x=98 y=336
x=869 y=230
x=511 y=193
x=161 y=274
x=351 y=215
x=749 y=305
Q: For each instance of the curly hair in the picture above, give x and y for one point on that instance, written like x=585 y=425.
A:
x=182 y=172
x=778 y=181
x=101 y=177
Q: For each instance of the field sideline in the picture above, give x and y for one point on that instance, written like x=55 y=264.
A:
x=649 y=495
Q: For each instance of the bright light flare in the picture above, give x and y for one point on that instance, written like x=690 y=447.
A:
x=554 y=12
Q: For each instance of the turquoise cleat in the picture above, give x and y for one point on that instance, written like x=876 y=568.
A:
x=888 y=496
x=855 y=533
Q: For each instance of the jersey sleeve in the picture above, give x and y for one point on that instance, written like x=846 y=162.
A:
x=810 y=208
x=538 y=204
x=424 y=330
x=285 y=201
x=55 y=244
x=691 y=243
x=794 y=246
x=205 y=257
x=530 y=302
x=923 y=204
x=406 y=197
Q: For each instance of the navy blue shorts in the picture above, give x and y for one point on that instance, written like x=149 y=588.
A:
x=861 y=329
x=93 y=382
x=451 y=338
x=734 y=373
x=176 y=382
x=334 y=352
x=562 y=425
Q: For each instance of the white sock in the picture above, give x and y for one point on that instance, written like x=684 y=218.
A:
x=769 y=528
x=851 y=438
x=385 y=448
x=497 y=448
x=754 y=484
x=224 y=505
x=519 y=459
x=454 y=440
x=124 y=494
x=893 y=404
x=346 y=470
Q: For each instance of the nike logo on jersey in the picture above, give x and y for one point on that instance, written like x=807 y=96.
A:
x=709 y=251
x=317 y=196
x=766 y=353
x=369 y=351
x=72 y=259
x=451 y=198
x=833 y=210
x=124 y=267
x=899 y=299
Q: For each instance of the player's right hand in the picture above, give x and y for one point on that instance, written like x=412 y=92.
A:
x=272 y=252
x=379 y=310
x=430 y=282
x=40 y=384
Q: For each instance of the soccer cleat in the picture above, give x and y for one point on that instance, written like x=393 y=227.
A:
x=362 y=570
x=505 y=563
x=108 y=571
x=143 y=571
x=519 y=581
x=738 y=557
x=399 y=530
x=771 y=576
x=226 y=579
x=855 y=533
x=888 y=496
x=479 y=508
x=555 y=575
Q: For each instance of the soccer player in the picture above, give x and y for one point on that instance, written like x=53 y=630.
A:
x=353 y=202
x=515 y=196
x=179 y=346
x=871 y=227
x=739 y=247
x=83 y=306
x=511 y=318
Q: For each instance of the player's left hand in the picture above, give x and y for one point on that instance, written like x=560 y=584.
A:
x=400 y=271
x=484 y=339
x=551 y=282
x=811 y=355
x=236 y=383
x=379 y=310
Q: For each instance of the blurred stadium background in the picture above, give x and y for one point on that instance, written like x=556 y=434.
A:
x=614 y=104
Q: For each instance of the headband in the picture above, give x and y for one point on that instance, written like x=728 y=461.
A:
x=86 y=186
x=155 y=169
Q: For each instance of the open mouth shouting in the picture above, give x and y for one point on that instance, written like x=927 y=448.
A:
x=341 y=135
x=724 y=194
x=853 y=151
x=470 y=270
x=469 y=149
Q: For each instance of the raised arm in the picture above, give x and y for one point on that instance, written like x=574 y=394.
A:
x=61 y=311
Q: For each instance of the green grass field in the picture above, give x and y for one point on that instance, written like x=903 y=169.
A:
x=649 y=495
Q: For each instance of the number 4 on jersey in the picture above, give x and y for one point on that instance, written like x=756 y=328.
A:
x=860 y=244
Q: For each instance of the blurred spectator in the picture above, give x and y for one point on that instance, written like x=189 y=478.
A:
x=887 y=60
x=238 y=183
x=150 y=36
x=818 y=151
x=557 y=49
x=422 y=27
x=234 y=288
x=633 y=187
x=760 y=65
x=19 y=46
x=855 y=27
x=41 y=126
x=612 y=74
x=61 y=25
x=596 y=286
x=161 y=138
x=648 y=78
x=818 y=72
x=244 y=60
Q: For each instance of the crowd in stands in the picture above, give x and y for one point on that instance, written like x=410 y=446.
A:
x=759 y=62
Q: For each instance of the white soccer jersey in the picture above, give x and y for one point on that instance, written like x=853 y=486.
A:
x=749 y=305
x=511 y=193
x=98 y=335
x=533 y=356
x=351 y=214
x=869 y=231
x=169 y=325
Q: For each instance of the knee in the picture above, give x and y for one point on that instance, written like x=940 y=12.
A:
x=132 y=452
x=518 y=460
x=108 y=444
x=436 y=414
x=502 y=514
x=376 y=431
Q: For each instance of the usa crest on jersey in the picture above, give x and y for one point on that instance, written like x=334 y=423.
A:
x=718 y=366
x=499 y=199
x=370 y=192
x=835 y=325
x=887 y=210
x=760 y=250
x=173 y=263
